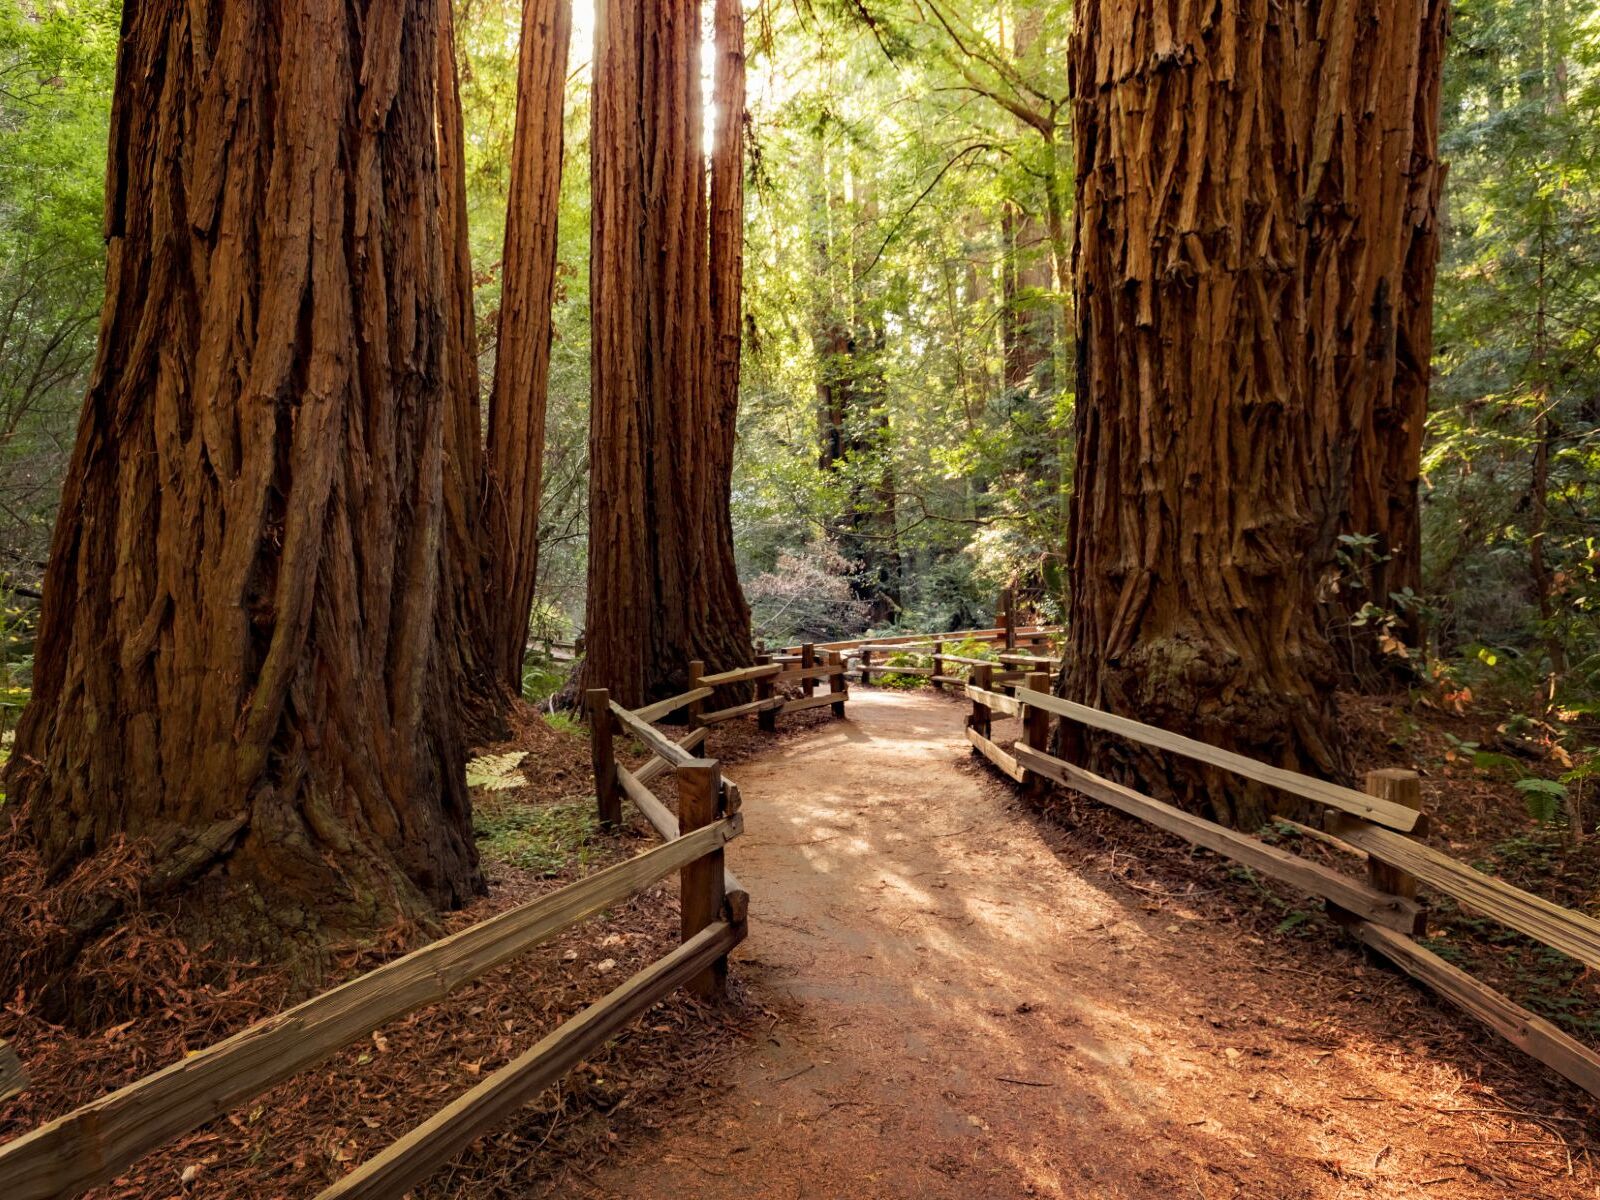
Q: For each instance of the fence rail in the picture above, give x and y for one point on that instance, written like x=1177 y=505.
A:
x=98 y=1141
x=771 y=670
x=13 y=1078
x=449 y=1131
x=1384 y=822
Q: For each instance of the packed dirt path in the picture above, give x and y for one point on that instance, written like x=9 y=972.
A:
x=955 y=1010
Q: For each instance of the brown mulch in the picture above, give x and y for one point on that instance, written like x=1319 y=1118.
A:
x=1478 y=816
x=170 y=1000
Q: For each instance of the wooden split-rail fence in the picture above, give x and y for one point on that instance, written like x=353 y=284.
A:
x=607 y=719
x=99 y=1141
x=1383 y=823
x=1016 y=646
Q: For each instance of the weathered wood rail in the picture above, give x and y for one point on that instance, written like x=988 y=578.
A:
x=98 y=1141
x=858 y=655
x=802 y=667
x=1384 y=821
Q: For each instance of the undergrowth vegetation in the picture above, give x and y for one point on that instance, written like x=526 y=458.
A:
x=547 y=839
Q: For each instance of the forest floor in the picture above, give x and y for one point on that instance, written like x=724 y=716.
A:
x=964 y=998
x=946 y=992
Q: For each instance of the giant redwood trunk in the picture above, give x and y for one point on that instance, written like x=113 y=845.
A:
x=662 y=584
x=1201 y=429
x=239 y=657
x=522 y=349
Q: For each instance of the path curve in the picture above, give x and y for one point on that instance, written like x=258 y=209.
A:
x=958 y=1012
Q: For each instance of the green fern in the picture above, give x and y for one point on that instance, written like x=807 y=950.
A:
x=496 y=772
x=1544 y=798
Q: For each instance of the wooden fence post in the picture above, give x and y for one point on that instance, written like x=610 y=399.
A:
x=767 y=718
x=808 y=658
x=938 y=664
x=1036 y=733
x=1402 y=787
x=701 y=884
x=604 y=756
x=983 y=676
x=836 y=680
x=1009 y=616
x=696 y=669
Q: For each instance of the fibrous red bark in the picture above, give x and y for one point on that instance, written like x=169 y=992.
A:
x=662 y=583
x=466 y=609
x=522 y=348
x=1377 y=191
x=239 y=651
x=1216 y=186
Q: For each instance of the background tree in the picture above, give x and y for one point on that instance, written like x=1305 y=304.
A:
x=238 y=657
x=1372 y=181
x=466 y=613
x=522 y=353
x=659 y=593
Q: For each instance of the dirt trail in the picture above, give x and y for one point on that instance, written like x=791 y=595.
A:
x=959 y=1012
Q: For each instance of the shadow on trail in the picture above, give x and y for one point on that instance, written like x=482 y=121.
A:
x=961 y=1012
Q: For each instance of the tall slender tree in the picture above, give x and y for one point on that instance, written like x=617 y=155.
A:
x=238 y=656
x=1372 y=185
x=1243 y=187
x=662 y=583
x=474 y=689
x=725 y=300
x=848 y=339
x=522 y=347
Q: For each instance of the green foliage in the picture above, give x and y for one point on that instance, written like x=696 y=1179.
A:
x=542 y=677
x=900 y=681
x=971 y=648
x=547 y=838
x=1544 y=797
x=565 y=722
x=56 y=65
x=899 y=241
x=1516 y=363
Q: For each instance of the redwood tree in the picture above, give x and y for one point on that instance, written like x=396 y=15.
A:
x=238 y=655
x=522 y=347
x=662 y=583
x=1376 y=186
x=466 y=612
x=1236 y=196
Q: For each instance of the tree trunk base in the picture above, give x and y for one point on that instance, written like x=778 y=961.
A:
x=1205 y=691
